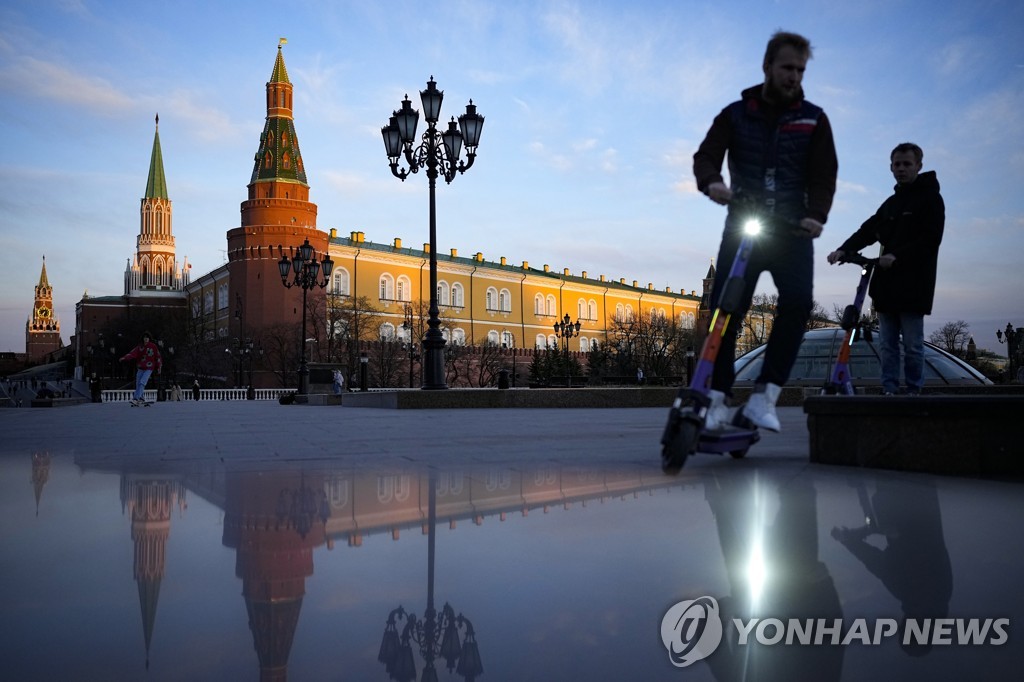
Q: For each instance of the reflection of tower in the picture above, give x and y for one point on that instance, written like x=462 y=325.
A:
x=274 y=522
x=149 y=501
x=40 y=474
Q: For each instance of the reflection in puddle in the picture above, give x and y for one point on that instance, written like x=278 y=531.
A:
x=200 y=569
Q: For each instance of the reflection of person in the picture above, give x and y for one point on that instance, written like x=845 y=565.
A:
x=147 y=360
x=914 y=564
x=797 y=584
x=339 y=382
x=782 y=158
x=909 y=226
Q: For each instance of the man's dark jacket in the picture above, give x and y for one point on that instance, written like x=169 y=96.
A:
x=908 y=225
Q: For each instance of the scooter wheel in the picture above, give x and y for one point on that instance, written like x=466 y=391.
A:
x=739 y=454
x=677 y=446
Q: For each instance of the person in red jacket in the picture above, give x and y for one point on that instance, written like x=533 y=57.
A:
x=147 y=360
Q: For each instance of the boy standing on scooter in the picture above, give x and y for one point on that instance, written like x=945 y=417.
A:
x=909 y=226
x=782 y=159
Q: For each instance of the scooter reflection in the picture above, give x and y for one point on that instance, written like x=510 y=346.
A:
x=774 y=572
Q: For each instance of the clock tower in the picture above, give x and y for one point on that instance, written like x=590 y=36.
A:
x=42 y=332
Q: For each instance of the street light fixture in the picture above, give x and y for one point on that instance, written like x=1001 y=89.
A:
x=567 y=330
x=305 y=270
x=439 y=154
x=1013 y=339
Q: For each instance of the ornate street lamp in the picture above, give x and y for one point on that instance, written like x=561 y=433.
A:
x=435 y=636
x=439 y=154
x=1013 y=339
x=567 y=330
x=305 y=270
x=299 y=508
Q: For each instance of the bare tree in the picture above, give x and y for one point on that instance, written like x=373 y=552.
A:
x=952 y=337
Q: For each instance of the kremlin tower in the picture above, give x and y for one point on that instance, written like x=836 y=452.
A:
x=277 y=217
x=42 y=331
x=154 y=267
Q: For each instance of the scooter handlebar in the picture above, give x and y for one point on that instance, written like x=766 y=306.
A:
x=856 y=258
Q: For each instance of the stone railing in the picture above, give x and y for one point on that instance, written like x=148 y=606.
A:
x=124 y=395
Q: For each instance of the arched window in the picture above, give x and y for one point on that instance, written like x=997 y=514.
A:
x=553 y=341
x=505 y=301
x=404 y=289
x=387 y=332
x=341 y=282
x=387 y=287
x=584 y=344
x=459 y=337
x=591 y=309
x=629 y=313
x=492 y=338
x=222 y=296
x=686 y=320
x=550 y=305
x=540 y=342
x=507 y=340
x=458 y=299
x=443 y=294
x=491 y=299
x=620 y=313
x=581 y=310
x=538 y=304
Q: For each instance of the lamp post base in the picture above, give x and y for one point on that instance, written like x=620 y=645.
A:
x=433 y=365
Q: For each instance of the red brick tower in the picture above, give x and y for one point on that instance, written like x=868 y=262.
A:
x=276 y=217
x=42 y=331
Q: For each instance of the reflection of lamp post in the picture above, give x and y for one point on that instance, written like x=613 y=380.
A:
x=567 y=330
x=306 y=274
x=408 y=326
x=299 y=508
x=396 y=649
x=1012 y=342
x=438 y=151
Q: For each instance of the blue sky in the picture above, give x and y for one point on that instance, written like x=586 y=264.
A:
x=593 y=111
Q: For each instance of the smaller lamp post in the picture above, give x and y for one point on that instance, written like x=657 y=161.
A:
x=305 y=270
x=408 y=326
x=567 y=330
x=1012 y=341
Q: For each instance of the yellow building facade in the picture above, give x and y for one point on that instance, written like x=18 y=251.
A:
x=486 y=301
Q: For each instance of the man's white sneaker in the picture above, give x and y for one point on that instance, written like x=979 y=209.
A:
x=719 y=414
x=760 y=409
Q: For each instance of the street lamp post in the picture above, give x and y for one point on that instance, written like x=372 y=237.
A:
x=408 y=326
x=439 y=154
x=305 y=270
x=567 y=330
x=1013 y=339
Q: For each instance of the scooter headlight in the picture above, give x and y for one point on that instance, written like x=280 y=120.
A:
x=752 y=226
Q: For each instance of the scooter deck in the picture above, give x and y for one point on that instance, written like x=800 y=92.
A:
x=726 y=439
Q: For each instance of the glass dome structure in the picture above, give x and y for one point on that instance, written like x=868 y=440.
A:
x=813 y=366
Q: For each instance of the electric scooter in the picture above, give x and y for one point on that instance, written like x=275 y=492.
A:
x=685 y=433
x=840 y=382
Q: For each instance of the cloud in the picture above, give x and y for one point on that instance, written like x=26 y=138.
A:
x=48 y=80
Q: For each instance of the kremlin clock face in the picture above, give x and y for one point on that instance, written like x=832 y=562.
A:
x=43 y=312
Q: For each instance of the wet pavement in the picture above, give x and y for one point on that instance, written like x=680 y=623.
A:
x=239 y=540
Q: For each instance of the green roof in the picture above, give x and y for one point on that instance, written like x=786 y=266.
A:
x=280 y=74
x=156 y=184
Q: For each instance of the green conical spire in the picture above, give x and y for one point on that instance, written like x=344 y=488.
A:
x=280 y=74
x=156 y=184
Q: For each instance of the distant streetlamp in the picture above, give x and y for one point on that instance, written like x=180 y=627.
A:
x=567 y=330
x=408 y=326
x=305 y=270
x=439 y=154
x=1012 y=340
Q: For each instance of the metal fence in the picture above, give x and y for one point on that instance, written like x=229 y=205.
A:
x=124 y=395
